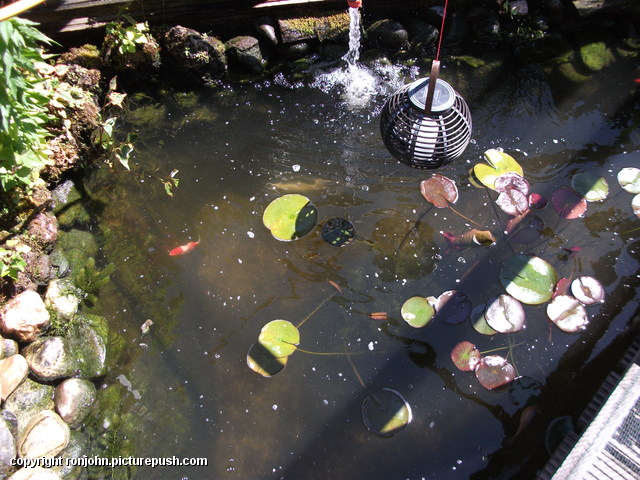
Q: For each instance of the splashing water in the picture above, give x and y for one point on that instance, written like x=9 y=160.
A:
x=357 y=83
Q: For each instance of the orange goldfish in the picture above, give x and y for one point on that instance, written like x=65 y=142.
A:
x=184 y=248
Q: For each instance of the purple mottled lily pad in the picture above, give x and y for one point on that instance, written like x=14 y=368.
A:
x=588 y=290
x=568 y=203
x=567 y=313
x=439 y=190
x=513 y=202
x=465 y=356
x=494 y=371
x=505 y=314
x=524 y=228
x=511 y=181
x=537 y=201
x=453 y=307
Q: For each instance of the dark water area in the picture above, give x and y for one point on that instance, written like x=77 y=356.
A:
x=191 y=391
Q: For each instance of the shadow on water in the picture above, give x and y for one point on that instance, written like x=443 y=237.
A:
x=307 y=421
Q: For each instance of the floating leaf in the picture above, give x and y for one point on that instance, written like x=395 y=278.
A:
x=568 y=203
x=537 y=201
x=629 y=179
x=635 y=204
x=470 y=238
x=529 y=279
x=494 y=371
x=290 y=216
x=511 y=181
x=465 y=356
x=453 y=307
x=504 y=314
x=591 y=186
x=513 y=202
x=587 y=290
x=417 y=312
x=261 y=361
x=479 y=321
x=499 y=163
x=386 y=412
x=562 y=287
x=338 y=232
x=280 y=338
x=524 y=228
x=568 y=313
x=439 y=190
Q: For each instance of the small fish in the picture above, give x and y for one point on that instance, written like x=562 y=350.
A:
x=637 y=80
x=184 y=248
x=335 y=285
x=378 y=316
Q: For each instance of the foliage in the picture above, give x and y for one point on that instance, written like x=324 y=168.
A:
x=128 y=38
x=23 y=105
x=11 y=261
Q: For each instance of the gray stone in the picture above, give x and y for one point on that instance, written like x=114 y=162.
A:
x=36 y=473
x=23 y=316
x=266 y=28
x=74 y=400
x=50 y=358
x=13 y=371
x=27 y=400
x=7 y=445
x=245 y=51
x=45 y=435
x=77 y=447
x=63 y=297
x=89 y=352
x=387 y=35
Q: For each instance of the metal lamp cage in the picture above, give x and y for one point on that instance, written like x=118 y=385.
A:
x=425 y=137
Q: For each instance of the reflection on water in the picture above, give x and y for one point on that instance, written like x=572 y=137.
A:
x=251 y=144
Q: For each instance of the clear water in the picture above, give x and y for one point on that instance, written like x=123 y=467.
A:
x=191 y=389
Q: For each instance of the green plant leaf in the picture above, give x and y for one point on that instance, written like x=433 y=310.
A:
x=386 y=412
x=498 y=163
x=528 y=279
x=629 y=179
x=280 y=338
x=417 y=311
x=290 y=217
x=261 y=361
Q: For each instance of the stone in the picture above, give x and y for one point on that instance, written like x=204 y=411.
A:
x=38 y=267
x=35 y=473
x=387 y=34
x=43 y=229
x=518 y=8
x=77 y=447
x=295 y=50
x=8 y=347
x=266 y=28
x=245 y=51
x=13 y=371
x=596 y=56
x=28 y=399
x=24 y=316
x=331 y=27
x=62 y=297
x=195 y=57
x=50 y=358
x=7 y=444
x=59 y=262
x=89 y=352
x=46 y=435
x=74 y=400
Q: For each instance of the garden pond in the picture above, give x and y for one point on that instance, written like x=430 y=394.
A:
x=189 y=389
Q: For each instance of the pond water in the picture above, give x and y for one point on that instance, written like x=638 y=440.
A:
x=191 y=393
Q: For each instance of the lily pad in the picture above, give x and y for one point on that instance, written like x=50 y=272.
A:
x=386 y=412
x=290 y=216
x=568 y=203
x=453 y=307
x=568 y=313
x=629 y=179
x=587 y=290
x=511 y=181
x=280 y=338
x=537 y=201
x=498 y=163
x=513 y=202
x=439 y=190
x=338 y=232
x=260 y=360
x=524 y=228
x=479 y=321
x=528 y=279
x=417 y=311
x=505 y=314
x=494 y=371
x=591 y=186
x=562 y=287
x=466 y=356
x=635 y=205
x=470 y=238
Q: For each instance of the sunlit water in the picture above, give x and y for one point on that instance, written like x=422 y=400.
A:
x=195 y=395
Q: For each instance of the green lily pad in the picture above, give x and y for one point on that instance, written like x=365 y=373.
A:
x=338 y=232
x=591 y=186
x=290 y=216
x=417 y=311
x=479 y=321
x=261 y=361
x=498 y=163
x=280 y=338
x=528 y=279
x=629 y=179
x=386 y=412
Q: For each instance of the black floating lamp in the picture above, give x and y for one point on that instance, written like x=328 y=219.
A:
x=426 y=124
